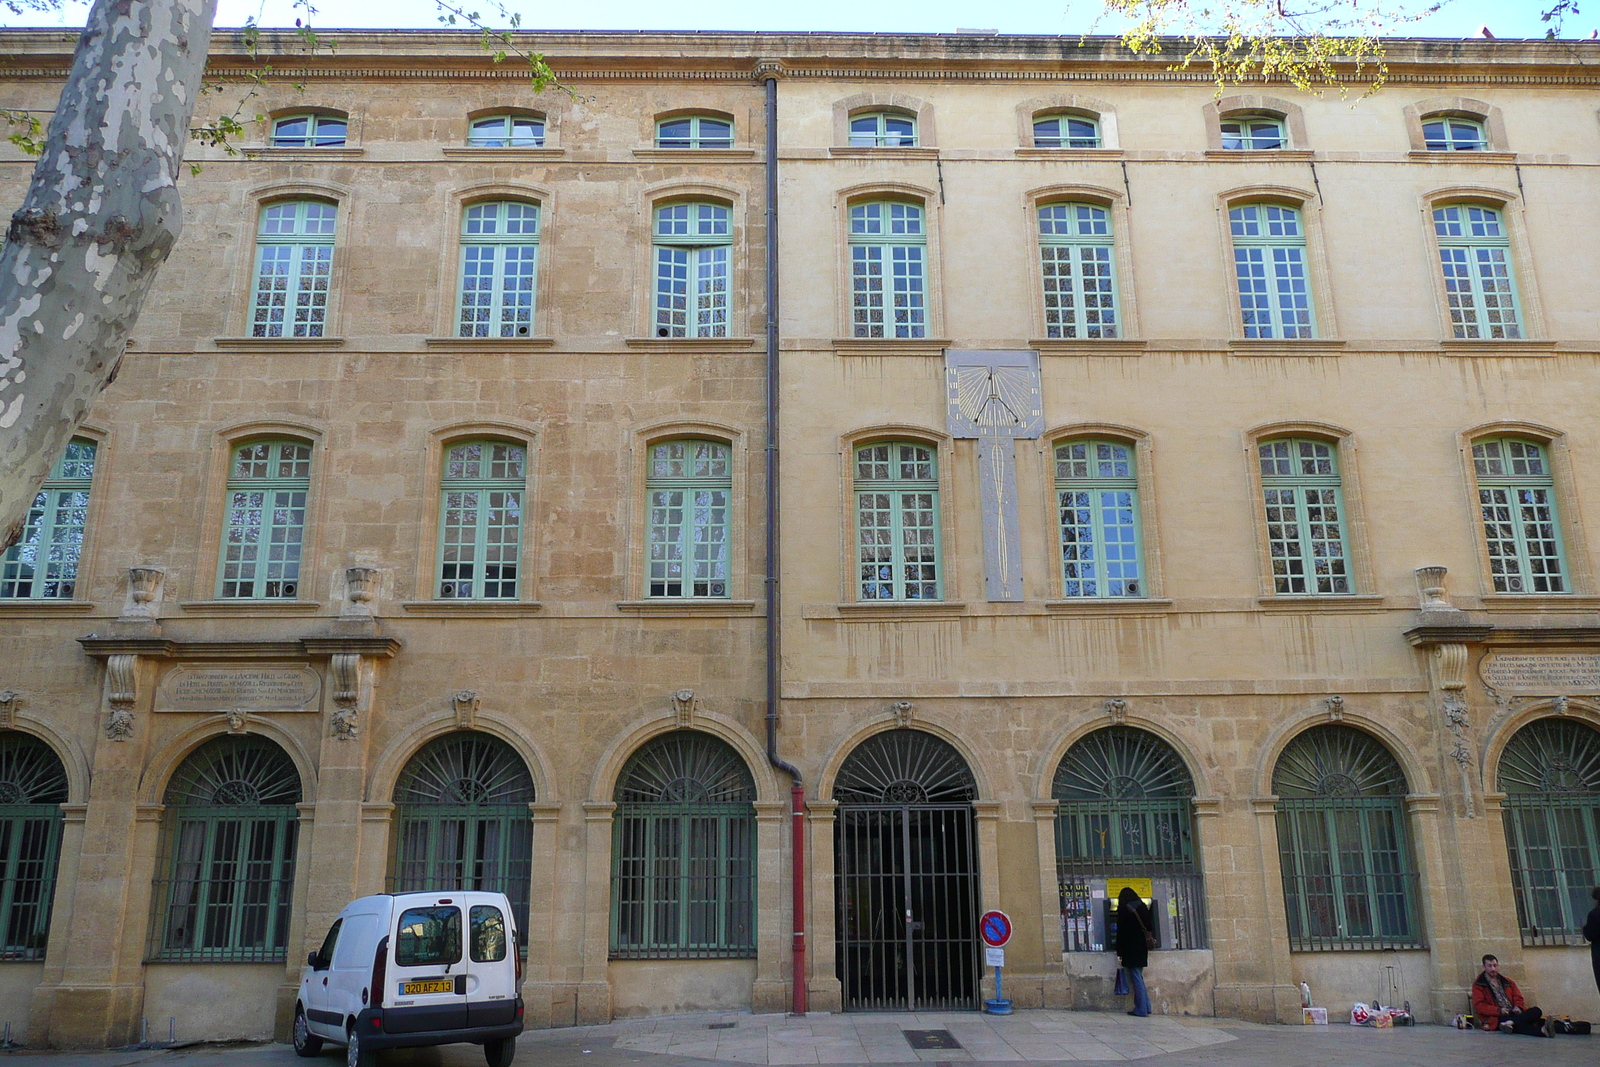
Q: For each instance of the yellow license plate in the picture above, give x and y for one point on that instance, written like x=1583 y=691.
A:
x=429 y=985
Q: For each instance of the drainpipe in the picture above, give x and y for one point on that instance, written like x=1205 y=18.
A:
x=797 y=794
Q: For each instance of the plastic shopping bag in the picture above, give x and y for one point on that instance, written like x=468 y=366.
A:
x=1360 y=1014
x=1121 y=988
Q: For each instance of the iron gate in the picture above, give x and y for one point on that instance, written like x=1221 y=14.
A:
x=906 y=907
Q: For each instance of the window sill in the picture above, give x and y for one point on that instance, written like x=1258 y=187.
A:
x=1461 y=157
x=501 y=154
x=671 y=606
x=1262 y=155
x=875 y=152
x=308 y=154
x=691 y=344
x=1331 y=602
x=244 y=606
x=890 y=346
x=1490 y=346
x=1520 y=602
x=1088 y=346
x=901 y=609
x=696 y=155
x=1109 y=606
x=450 y=609
x=489 y=344
x=1309 y=346
x=1069 y=153
x=22 y=609
x=278 y=344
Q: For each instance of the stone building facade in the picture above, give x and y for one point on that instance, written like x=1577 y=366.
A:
x=1177 y=490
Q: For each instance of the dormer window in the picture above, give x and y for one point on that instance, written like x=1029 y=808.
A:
x=694 y=131
x=1252 y=133
x=1066 y=131
x=310 y=131
x=506 y=131
x=1447 y=133
x=883 y=129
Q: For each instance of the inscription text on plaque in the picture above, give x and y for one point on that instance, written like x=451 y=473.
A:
x=1542 y=673
x=255 y=688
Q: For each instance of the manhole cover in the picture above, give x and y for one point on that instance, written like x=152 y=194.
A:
x=721 y=1026
x=926 y=1039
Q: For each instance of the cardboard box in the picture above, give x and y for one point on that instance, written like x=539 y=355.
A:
x=1314 y=1016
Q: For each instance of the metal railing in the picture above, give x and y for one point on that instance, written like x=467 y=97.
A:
x=1552 y=846
x=1352 y=912
x=227 y=879
x=683 y=881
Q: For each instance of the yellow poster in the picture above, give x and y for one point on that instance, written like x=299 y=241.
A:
x=1141 y=886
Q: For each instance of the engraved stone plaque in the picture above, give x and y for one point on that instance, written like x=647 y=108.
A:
x=1542 y=673
x=254 y=688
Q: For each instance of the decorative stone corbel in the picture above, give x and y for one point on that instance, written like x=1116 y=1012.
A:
x=1449 y=665
x=122 y=693
x=360 y=588
x=1335 y=706
x=1431 y=589
x=344 y=669
x=10 y=703
x=465 y=703
x=683 y=702
x=237 y=718
x=768 y=68
x=144 y=590
x=1117 y=709
x=902 y=710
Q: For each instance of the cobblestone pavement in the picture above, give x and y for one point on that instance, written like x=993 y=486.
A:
x=1027 y=1037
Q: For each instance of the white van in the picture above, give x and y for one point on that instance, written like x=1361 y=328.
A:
x=408 y=969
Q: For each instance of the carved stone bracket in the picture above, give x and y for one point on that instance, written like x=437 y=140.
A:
x=1335 y=706
x=1117 y=709
x=122 y=693
x=344 y=669
x=1449 y=664
x=902 y=710
x=10 y=704
x=683 y=703
x=465 y=703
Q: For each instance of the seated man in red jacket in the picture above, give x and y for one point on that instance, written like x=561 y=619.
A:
x=1497 y=1002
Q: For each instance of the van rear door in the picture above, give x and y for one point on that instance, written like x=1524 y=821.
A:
x=428 y=982
x=491 y=966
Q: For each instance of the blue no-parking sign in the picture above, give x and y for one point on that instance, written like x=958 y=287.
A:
x=995 y=928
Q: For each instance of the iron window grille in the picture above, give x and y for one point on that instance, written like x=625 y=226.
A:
x=689 y=484
x=1450 y=134
x=883 y=129
x=310 y=131
x=1253 y=133
x=294 y=268
x=683 y=852
x=225 y=881
x=693 y=253
x=506 y=131
x=1269 y=260
x=897 y=521
x=263 y=534
x=480 y=520
x=43 y=564
x=1080 y=285
x=888 y=270
x=33 y=786
x=1480 y=286
x=1097 y=502
x=694 y=131
x=1066 y=131
x=499 y=269
x=1349 y=879
x=1300 y=487
x=1550 y=774
x=1521 y=528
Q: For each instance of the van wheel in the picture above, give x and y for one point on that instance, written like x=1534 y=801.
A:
x=500 y=1053
x=305 y=1042
x=357 y=1054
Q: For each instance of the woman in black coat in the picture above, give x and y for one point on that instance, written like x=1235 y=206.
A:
x=1133 y=920
x=1591 y=934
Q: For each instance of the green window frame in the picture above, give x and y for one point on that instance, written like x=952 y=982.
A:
x=1479 y=283
x=1269 y=262
x=1304 y=500
x=888 y=269
x=499 y=269
x=33 y=786
x=883 y=129
x=1349 y=879
x=481 y=490
x=506 y=131
x=1521 y=522
x=695 y=131
x=1550 y=775
x=294 y=269
x=1066 y=131
x=689 y=486
x=225 y=882
x=683 y=878
x=1253 y=133
x=1078 y=256
x=1451 y=133
x=693 y=245
x=310 y=130
x=43 y=564
x=897 y=521
x=264 y=527
x=1097 y=503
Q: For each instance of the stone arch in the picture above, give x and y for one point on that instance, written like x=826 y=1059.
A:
x=1279 y=739
x=389 y=765
x=73 y=759
x=165 y=762
x=1045 y=771
x=1501 y=731
x=603 y=785
x=851 y=741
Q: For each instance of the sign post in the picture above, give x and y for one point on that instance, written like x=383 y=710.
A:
x=995 y=929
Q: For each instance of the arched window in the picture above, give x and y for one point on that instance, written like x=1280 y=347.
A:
x=294 y=266
x=1127 y=812
x=1516 y=497
x=1349 y=881
x=683 y=852
x=694 y=131
x=693 y=252
x=689 y=484
x=1080 y=285
x=462 y=820
x=1097 y=499
x=1550 y=774
x=310 y=131
x=264 y=529
x=1475 y=252
x=43 y=564
x=33 y=786
x=888 y=270
x=883 y=129
x=1269 y=259
x=1305 y=516
x=897 y=521
x=499 y=269
x=1452 y=133
x=1252 y=133
x=1066 y=131
x=506 y=131
x=480 y=520
x=225 y=875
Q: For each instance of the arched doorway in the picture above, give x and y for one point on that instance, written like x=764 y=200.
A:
x=33 y=786
x=1550 y=774
x=1126 y=815
x=906 y=876
x=462 y=820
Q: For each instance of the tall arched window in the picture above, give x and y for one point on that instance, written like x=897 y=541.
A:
x=294 y=267
x=1521 y=526
x=462 y=820
x=888 y=270
x=683 y=852
x=1097 y=499
x=1480 y=287
x=1305 y=516
x=264 y=528
x=897 y=521
x=33 y=786
x=1080 y=285
x=499 y=269
x=1126 y=811
x=689 y=484
x=693 y=251
x=480 y=520
x=225 y=874
x=1550 y=774
x=1269 y=259
x=1349 y=881
x=43 y=564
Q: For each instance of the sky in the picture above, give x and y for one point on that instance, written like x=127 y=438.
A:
x=1457 y=18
